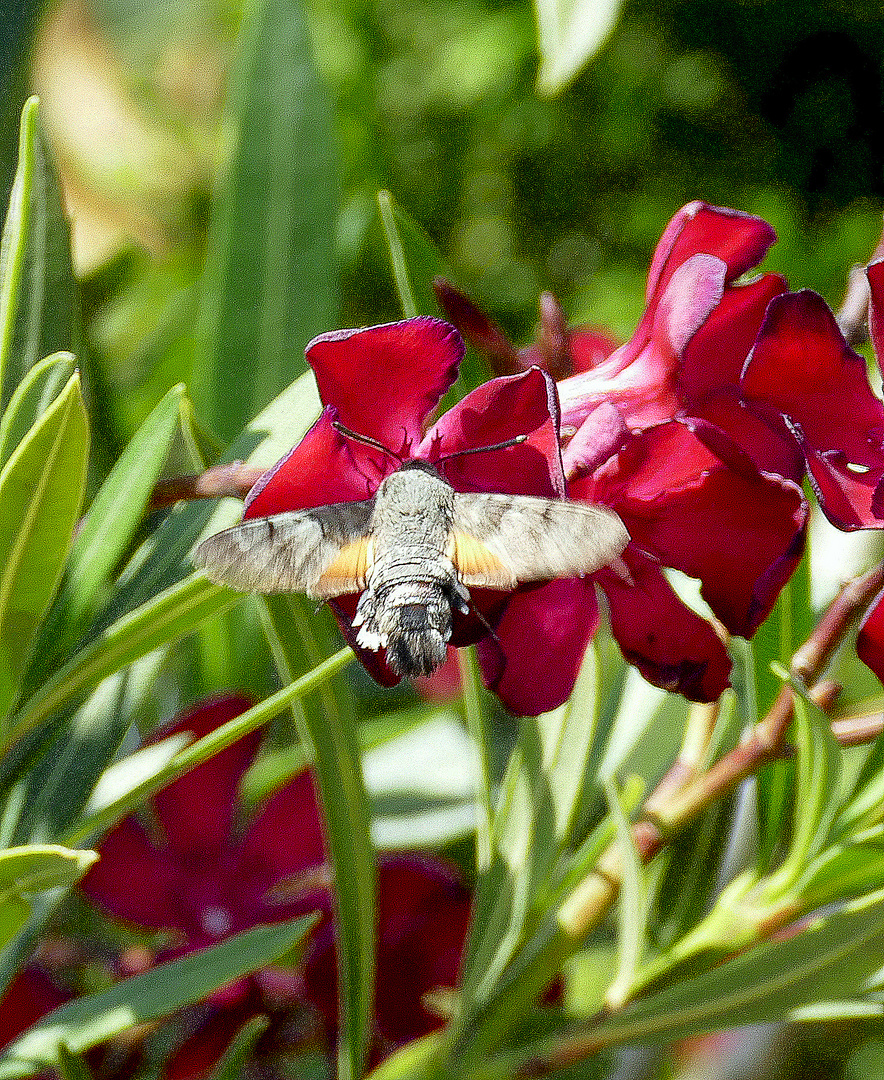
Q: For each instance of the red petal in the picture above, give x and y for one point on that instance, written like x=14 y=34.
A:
x=385 y=380
x=325 y=467
x=476 y=327
x=870 y=640
x=27 y=999
x=502 y=409
x=740 y=532
x=669 y=644
x=285 y=838
x=741 y=240
x=590 y=346
x=802 y=368
x=541 y=639
x=716 y=354
x=641 y=377
x=128 y=856
x=875 y=274
x=196 y=811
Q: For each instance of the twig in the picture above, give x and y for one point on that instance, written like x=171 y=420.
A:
x=235 y=479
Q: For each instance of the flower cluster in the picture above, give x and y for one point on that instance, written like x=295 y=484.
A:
x=209 y=880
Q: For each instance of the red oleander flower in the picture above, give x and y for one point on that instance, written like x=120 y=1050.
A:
x=658 y=430
x=208 y=880
x=384 y=382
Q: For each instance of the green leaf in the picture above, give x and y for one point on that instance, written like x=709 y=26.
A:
x=110 y=524
x=32 y=397
x=90 y=1020
x=334 y=748
x=817 y=791
x=270 y=282
x=158 y=622
x=830 y=959
x=232 y=1064
x=632 y=910
x=37 y=290
x=569 y=33
x=41 y=492
x=416 y=262
x=32 y=869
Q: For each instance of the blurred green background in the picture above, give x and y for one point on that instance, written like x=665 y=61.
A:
x=775 y=108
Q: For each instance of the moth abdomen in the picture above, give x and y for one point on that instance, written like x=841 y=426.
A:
x=412 y=620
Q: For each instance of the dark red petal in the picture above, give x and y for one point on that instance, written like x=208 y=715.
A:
x=196 y=811
x=325 y=467
x=870 y=640
x=504 y=408
x=285 y=838
x=423 y=912
x=802 y=368
x=770 y=450
x=476 y=327
x=344 y=610
x=716 y=354
x=741 y=240
x=127 y=856
x=27 y=999
x=386 y=380
x=875 y=274
x=739 y=531
x=669 y=644
x=541 y=639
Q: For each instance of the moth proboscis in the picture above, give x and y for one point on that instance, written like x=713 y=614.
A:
x=413 y=551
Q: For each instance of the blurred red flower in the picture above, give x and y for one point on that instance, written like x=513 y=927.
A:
x=203 y=879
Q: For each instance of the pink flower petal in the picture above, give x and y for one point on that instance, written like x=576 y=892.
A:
x=602 y=433
x=669 y=644
x=541 y=639
x=325 y=467
x=803 y=370
x=504 y=408
x=385 y=380
x=870 y=639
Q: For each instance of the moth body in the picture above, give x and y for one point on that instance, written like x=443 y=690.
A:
x=411 y=585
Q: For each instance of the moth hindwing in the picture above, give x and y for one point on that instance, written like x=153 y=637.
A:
x=324 y=551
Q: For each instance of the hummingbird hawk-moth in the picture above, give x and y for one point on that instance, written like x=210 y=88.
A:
x=413 y=551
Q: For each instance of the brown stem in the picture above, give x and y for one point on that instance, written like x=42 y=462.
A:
x=815 y=653
x=683 y=794
x=235 y=479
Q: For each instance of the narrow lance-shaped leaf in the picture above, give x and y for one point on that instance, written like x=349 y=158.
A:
x=336 y=763
x=32 y=869
x=270 y=282
x=415 y=263
x=32 y=397
x=93 y=1019
x=38 y=310
x=569 y=33
x=41 y=492
x=109 y=526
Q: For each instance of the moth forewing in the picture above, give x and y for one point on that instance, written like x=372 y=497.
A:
x=534 y=538
x=292 y=551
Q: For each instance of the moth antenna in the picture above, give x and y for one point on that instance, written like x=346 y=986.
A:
x=365 y=439
x=514 y=441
